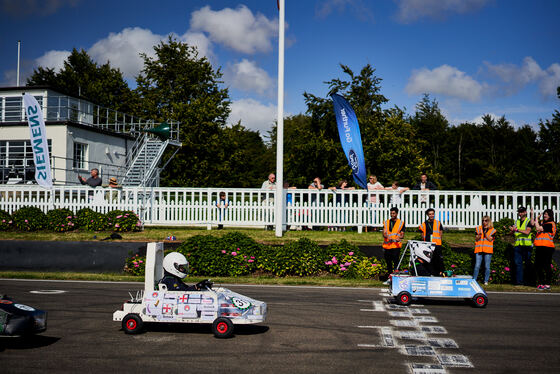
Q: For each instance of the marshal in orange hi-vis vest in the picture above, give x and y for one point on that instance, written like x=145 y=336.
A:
x=436 y=232
x=484 y=245
x=546 y=239
x=392 y=235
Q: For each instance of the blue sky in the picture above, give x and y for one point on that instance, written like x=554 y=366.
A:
x=474 y=57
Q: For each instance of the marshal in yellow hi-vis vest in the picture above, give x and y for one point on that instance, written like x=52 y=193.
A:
x=522 y=240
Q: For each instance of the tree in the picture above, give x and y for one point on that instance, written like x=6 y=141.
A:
x=178 y=84
x=82 y=77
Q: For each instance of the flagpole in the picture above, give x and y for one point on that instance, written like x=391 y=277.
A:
x=279 y=201
x=18 y=56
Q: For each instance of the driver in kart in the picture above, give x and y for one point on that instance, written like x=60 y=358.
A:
x=175 y=268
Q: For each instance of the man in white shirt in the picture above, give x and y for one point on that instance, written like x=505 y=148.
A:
x=270 y=183
x=398 y=191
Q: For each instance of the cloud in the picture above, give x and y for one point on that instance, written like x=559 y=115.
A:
x=238 y=29
x=201 y=42
x=123 y=49
x=357 y=7
x=514 y=77
x=412 y=10
x=253 y=114
x=445 y=80
x=53 y=59
x=247 y=76
x=23 y=8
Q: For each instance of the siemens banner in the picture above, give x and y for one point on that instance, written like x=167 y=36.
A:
x=350 y=138
x=38 y=136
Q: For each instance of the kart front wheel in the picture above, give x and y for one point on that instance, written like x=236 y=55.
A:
x=480 y=300
x=132 y=324
x=404 y=298
x=222 y=328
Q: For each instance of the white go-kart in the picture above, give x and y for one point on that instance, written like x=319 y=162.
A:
x=220 y=307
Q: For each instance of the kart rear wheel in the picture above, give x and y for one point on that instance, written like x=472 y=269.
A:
x=404 y=298
x=222 y=328
x=132 y=324
x=480 y=300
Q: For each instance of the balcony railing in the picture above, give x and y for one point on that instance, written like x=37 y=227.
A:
x=255 y=208
x=66 y=108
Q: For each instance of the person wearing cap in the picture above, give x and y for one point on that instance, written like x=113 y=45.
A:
x=523 y=243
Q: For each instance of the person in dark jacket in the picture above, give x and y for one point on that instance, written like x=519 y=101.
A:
x=425 y=184
x=175 y=268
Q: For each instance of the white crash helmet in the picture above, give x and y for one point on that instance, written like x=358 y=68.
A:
x=175 y=263
x=424 y=250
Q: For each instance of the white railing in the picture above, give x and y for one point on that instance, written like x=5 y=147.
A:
x=255 y=207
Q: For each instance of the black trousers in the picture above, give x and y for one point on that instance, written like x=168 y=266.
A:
x=392 y=258
x=437 y=261
x=543 y=260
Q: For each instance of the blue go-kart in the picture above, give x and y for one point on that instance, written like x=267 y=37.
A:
x=405 y=287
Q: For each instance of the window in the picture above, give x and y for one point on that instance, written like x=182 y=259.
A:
x=16 y=159
x=80 y=153
x=13 y=109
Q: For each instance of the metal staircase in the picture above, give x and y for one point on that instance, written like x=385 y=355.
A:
x=142 y=165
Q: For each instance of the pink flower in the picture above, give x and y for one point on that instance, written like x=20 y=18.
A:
x=136 y=265
x=140 y=261
x=26 y=221
x=374 y=264
x=250 y=260
x=134 y=262
x=223 y=251
x=506 y=268
x=347 y=264
x=452 y=266
x=342 y=268
x=117 y=225
x=68 y=217
x=350 y=253
x=234 y=253
x=10 y=222
x=493 y=271
x=238 y=249
x=334 y=260
x=244 y=256
x=328 y=262
x=119 y=216
x=63 y=225
x=253 y=257
x=502 y=272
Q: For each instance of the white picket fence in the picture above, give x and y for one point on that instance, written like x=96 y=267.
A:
x=252 y=207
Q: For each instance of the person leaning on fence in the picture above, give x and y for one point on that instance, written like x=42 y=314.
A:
x=523 y=244
x=393 y=234
x=113 y=186
x=222 y=205
x=432 y=230
x=92 y=181
x=484 y=247
x=544 y=248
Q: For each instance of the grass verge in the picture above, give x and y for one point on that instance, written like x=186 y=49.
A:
x=323 y=281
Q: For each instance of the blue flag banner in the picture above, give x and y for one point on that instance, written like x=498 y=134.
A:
x=350 y=138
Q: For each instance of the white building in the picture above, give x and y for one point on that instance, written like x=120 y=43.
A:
x=81 y=136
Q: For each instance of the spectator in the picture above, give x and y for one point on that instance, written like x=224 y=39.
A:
x=432 y=231
x=92 y=181
x=544 y=248
x=397 y=192
x=222 y=205
x=342 y=185
x=393 y=234
x=289 y=196
x=424 y=185
x=484 y=247
x=523 y=244
x=270 y=183
x=373 y=184
x=316 y=184
x=114 y=186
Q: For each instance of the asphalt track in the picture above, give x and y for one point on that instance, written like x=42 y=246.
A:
x=308 y=330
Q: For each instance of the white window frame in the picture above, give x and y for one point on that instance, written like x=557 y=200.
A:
x=83 y=164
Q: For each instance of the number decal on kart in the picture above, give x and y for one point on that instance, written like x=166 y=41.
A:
x=24 y=307
x=240 y=303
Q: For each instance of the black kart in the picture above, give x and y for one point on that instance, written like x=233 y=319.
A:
x=19 y=319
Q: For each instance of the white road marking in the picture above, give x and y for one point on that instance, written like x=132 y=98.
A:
x=52 y=292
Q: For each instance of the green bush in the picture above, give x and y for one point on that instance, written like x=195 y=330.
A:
x=300 y=258
x=348 y=261
x=232 y=255
x=135 y=264
x=29 y=219
x=119 y=220
x=5 y=220
x=502 y=227
x=90 y=220
x=61 y=220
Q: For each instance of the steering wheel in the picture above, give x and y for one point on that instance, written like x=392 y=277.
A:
x=207 y=283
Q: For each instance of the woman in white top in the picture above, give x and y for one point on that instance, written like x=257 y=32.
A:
x=373 y=184
x=398 y=191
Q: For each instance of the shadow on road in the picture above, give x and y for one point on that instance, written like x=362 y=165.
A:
x=26 y=342
x=198 y=328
